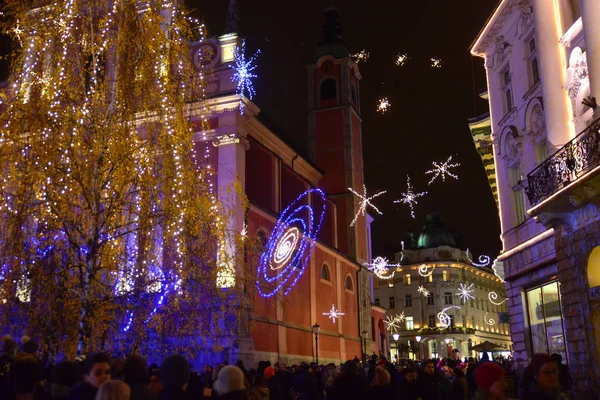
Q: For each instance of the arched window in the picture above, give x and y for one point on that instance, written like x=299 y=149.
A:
x=328 y=89
x=593 y=268
x=325 y=273
x=349 y=284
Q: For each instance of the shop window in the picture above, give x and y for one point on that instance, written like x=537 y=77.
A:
x=546 y=320
x=593 y=268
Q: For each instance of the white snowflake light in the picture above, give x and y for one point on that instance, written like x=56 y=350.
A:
x=410 y=197
x=436 y=62
x=362 y=55
x=401 y=59
x=444 y=318
x=383 y=105
x=243 y=73
x=464 y=292
x=423 y=291
x=424 y=270
x=484 y=260
x=380 y=267
x=392 y=324
x=333 y=313
x=364 y=202
x=492 y=296
x=489 y=321
x=442 y=170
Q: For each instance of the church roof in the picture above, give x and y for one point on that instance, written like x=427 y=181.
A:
x=333 y=43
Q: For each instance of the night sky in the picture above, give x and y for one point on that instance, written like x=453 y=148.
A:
x=430 y=106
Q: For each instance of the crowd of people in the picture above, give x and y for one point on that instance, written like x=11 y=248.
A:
x=24 y=375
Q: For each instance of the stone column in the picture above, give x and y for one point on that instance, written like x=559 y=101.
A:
x=550 y=57
x=590 y=14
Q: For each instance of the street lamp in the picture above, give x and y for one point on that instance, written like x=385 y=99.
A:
x=316 y=328
x=365 y=335
x=396 y=337
x=418 y=345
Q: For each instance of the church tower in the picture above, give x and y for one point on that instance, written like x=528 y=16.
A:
x=335 y=145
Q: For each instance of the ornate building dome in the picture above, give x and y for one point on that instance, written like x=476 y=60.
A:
x=435 y=233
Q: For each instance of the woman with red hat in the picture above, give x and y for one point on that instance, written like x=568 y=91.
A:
x=491 y=382
x=545 y=384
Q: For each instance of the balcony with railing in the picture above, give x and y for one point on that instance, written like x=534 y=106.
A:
x=567 y=177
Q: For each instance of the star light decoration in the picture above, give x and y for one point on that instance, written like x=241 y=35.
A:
x=243 y=73
x=364 y=202
x=380 y=267
x=436 y=62
x=401 y=59
x=393 y=323
x=464 y=292
x=383 y=105
x=333 y=313
x=410 y=197
x=362 y=55
x=423 y=291
x=442 y=170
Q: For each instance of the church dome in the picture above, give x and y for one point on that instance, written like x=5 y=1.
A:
x=435 y=233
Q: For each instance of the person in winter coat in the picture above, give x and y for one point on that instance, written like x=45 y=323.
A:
x=382 y=386
x=407 y=388
x=491 y=382
x=305 y=383
x=175 y=376
x=63 y=377
x=96 y=371
x=229 y=384
x=135 y=374
x=113 y=390
x=260 y=391
x=349 y=386
x=461 y=387
x=429 y=382
x=545 y=384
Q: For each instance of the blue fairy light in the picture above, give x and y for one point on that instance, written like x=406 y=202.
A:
x=243 y=73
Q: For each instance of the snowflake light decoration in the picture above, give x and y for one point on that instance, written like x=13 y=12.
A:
x=393 y=323
x=423 y=291
x=492 y=296
x=484 y=260
x=464 y=292
x=333 y=313
x=383 y=105
x=442 y=170
x=410 y=197
x=436 y=62
x=380 y=267
x=362 y=55
x=401 y=59
x=243 y=73
x=444 y=318
x=364 y=202
x=489 y=321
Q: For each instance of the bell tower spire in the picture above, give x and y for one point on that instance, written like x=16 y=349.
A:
x=232 y=24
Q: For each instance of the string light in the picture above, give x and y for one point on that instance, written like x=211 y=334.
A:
x=383 y=105
x=424 y=270
x=442 y=170
x=288 y=249
x=494 y=264
x=436 y=62
x=362 y=55
x=243 y=73
x=401 y=59
x=18 y=32
x=464 y=292
x=410 y=197
x=423 y=291
x=244 y=232
x=489 y=321
x=380 y=267
x=444 y=318
x=333 y=313
x=492 y=296
x=364 y=202
x=484 y=260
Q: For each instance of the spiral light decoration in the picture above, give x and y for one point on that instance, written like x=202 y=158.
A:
x=492 y=296
x=489 y=321
x=288 y=249
x=484 y=260
x=424 y=270
x=444 y=318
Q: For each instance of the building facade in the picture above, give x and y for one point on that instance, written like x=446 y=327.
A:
x=542 y=60
x=245 y=147
x=426 y=283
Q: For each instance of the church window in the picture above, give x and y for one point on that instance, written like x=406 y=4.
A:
x=325 y=274
x=349 y=285
x=328 y=89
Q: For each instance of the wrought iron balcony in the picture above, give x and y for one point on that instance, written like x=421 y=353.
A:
x=571 y=162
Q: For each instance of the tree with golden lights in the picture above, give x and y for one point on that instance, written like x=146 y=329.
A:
x=109 y=228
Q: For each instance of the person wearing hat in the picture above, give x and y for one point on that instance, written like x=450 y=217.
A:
x=491 y=382
x=175 y=376
x=229 y=384
x=545 y=384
